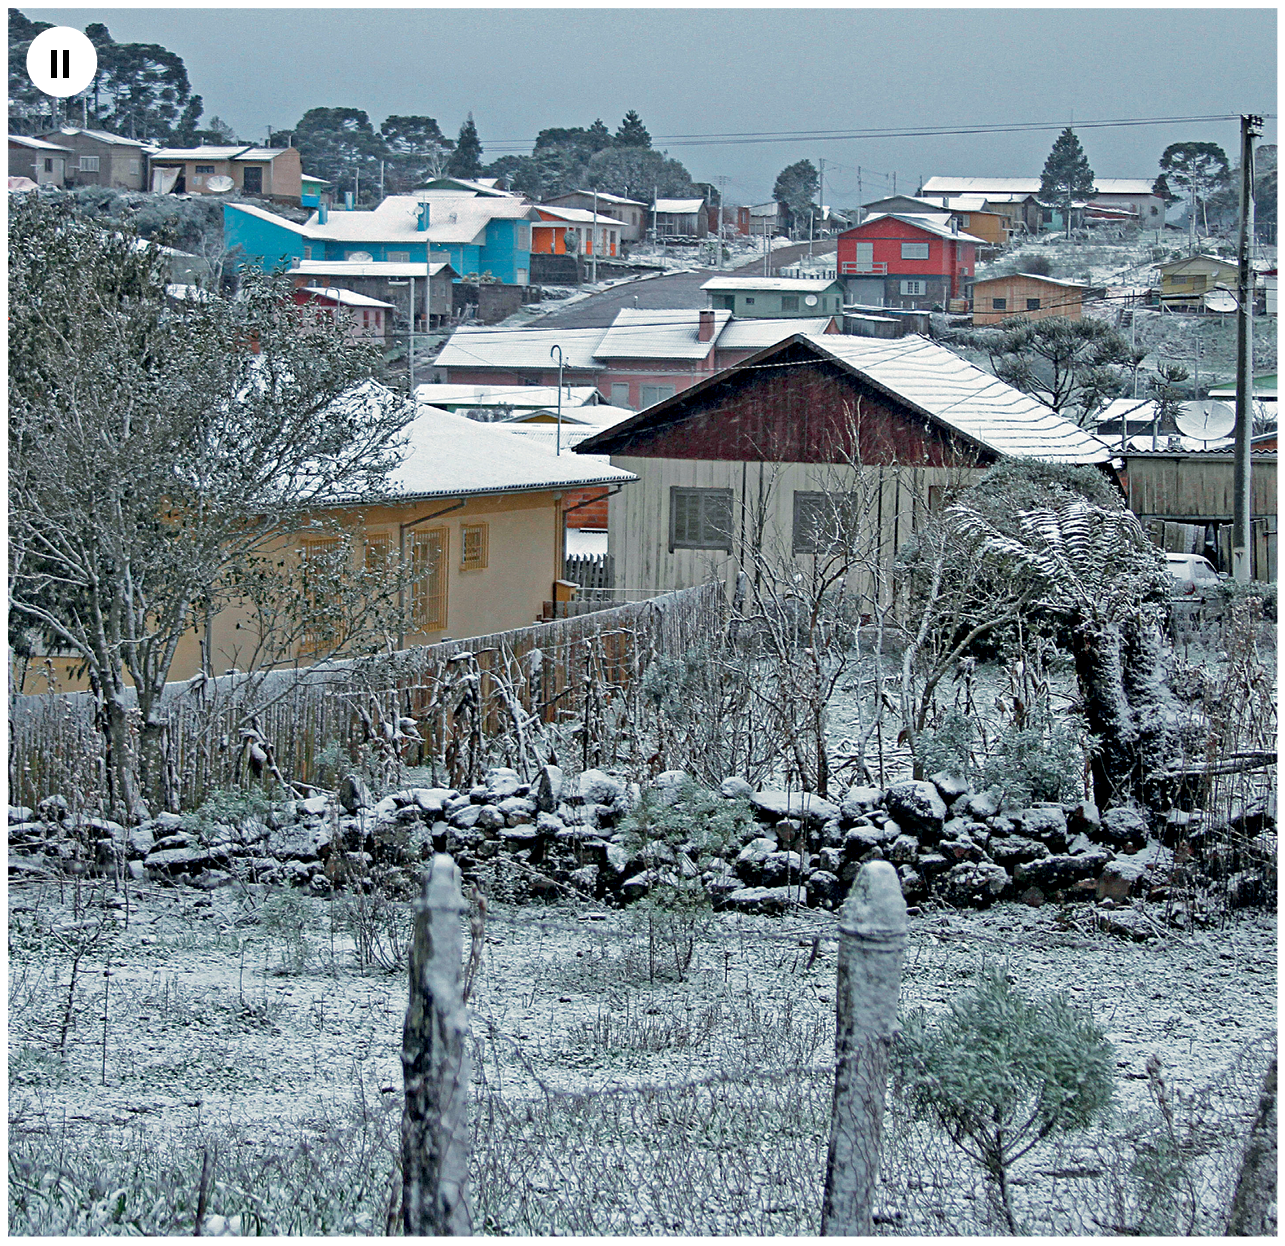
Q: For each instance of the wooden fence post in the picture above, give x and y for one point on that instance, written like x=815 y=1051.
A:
x=436 y=1065
x=872 y=944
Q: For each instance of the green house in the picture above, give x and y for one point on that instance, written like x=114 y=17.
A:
x=751 y=297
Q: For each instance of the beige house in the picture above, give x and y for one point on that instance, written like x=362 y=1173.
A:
x=477 y=514
x=102 y=159
x=43 y=162
x=1184 y=283
x=738 y=466
x=1027 y=296
x=274 y=172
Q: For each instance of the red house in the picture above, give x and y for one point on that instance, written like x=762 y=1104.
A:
x=893 y=260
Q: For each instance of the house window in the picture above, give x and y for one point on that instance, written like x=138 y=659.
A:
x=204 y=168
x=524 y=237
x=726 y=302
x=89 y=164
x=474 y=546
x=811 y=515
x=789 y=302
x=428 y=582
x=652 y=394
x=307 y=253
x=378 y=546
x=252 y=181
x=399 y=257
x=999 y=304
x=1032 y=304
x=914 y=250
x=964 y=222
x=700 y=519
x=913 y=287
x=620 y=395
x=749 y=300
x=317 y=566
x=49 y=165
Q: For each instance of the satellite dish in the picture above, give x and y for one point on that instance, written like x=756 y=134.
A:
x=219 y=183
x=360 y=257
x=810 y=300
x=68 y=129
x=1205 y=420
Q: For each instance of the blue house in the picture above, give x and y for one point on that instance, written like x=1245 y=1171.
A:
x=479 y=235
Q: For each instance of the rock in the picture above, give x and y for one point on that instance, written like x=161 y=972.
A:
x=719 y=886
x=930 y=864
x=781 y=867
x=547 y=789
x=585 y=879
x=618 y=858
x=765 y=899
x=802 y=805
x=824 y=890
x=21 y=813
x=980 y=805
x=180 y=840
x=667 y=784
x=315 y=806
x=107 y=854
x=1080 y=845
x=953 y=828
x=593 y=787
x=500 y=782
x=657 y=852
x=1083 y=819
x=949 y=786
x=174 y=860
x=524 y=835
x=549 y=823
x=1248 y=887
x=432 y=801
x=465 y=817
x=913 y=887
x=973 y=883
x=1122 y=825
x=516 y=809
x=904 y=850
x=140 y=841
x=208 y=880
x=354 y=794
x=917 y=808
x=298 y=843
x=831 y=833
x=639 y=885
x=453 y=806
x=831 y=859
x=962 y=849
x=863 y=799
x=1060 y=871
x=860 y=840
x=734 y=786
x=1033 y=897
x=1011 y=851
x=1122 y=878
x=489 y=818
x=52 y=808
x=1047 y=823
x=749 y=861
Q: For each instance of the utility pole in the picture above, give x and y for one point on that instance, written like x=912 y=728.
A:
x=1251 y=127
x=558 y=435
x=861 y=212
x=593 y=235
x=821 y=187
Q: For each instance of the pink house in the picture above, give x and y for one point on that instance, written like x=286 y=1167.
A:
x=365 y=317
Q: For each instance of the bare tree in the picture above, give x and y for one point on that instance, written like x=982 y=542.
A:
x=153 y=448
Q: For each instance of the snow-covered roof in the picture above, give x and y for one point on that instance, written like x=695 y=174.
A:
x=786 y=285
x=604 y=197
x=578 y=216
x=1053 y=281
x=202 y=153
x=452 y=217
x=473 y=346
x=37 y=144
x=347 y=298
x=679 y=207
x=447 y=455
x=937 y=383
x=520 y=397
x=598 y=415
x=187 y=293
x=758 y=334
x=651 y=333
x=22 y=184
x=929 y=222
x=991 y=186
x=102 y=136
x=361 y=268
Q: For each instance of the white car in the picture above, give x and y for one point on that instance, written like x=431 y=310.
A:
x=1194 y=577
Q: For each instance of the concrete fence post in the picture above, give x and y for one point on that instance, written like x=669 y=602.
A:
x=872 y=945
x=436 y=1065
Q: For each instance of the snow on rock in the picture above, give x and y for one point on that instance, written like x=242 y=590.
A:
x=803 y=805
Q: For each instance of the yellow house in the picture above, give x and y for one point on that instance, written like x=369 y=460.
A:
x=1185 y=282
x=477 y=514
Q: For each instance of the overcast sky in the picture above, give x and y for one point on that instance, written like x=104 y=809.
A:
x=736 y=71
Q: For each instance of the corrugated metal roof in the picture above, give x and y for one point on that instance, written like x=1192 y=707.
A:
x=447 y=455
x=965 y=398
x=102 y=136
x=759 y=334
x=646 y=333
x=1026 y=186
x=787 y=285
x=476 y=347
x=679 y=207
x=1053 y=281
x=517 y=396
x=373 y=268
x=38 y=144
x=578 y=216
x=201 y=153
x=348 y=298
x=929 y=222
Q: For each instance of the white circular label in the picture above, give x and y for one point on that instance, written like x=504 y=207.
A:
x=61 y=61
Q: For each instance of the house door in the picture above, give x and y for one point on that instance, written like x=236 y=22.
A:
x=253 y=181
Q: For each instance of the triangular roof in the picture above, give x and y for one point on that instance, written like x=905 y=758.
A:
x=937 y=224
x=955 y=395
x=101 y=135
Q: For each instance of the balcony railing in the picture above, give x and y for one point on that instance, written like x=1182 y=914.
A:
x=853 y=267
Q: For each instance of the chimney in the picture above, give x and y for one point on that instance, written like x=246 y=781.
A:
x=705 y=331
x=421 y=221
x=323 y=213
x=348 y=200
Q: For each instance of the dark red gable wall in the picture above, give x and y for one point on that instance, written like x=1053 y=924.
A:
x=806 y=413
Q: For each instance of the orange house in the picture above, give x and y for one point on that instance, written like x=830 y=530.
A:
x=1025 y=295
x=575 y=231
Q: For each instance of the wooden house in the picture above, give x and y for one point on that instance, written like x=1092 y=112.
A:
x=631 y=213
x=731 y=467
x=1027 y=296
x=272 y=172
x=907 y=261
x=362 y=316
x=425 y=284
x=102 y=159
x=679 y=218
x=1185 y=283
x=41 y=161
x=759 y=297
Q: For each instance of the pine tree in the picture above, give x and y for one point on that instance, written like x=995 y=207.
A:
x=632 y=132
x=1066 y=174
x=466 y=160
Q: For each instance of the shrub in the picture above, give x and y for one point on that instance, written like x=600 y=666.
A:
x=698 y=821
x=1000 y=1073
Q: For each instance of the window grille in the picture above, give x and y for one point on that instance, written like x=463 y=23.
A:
x=474 y=546
x=700 y=519
x=428 y=583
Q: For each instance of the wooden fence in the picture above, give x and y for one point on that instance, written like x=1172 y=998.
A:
x=590 y=570
x=446 y=704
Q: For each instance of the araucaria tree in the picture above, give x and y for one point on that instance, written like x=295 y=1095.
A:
x=1195 y=169
x=1066 y=175
x=159 y=453
x=466 y=159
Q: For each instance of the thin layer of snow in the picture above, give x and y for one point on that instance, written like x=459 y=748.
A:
x=520 y=397
x=652 y=333
x=372 y=268
x=786 y=285
x=759 y=334
x=477 y=347
x=348 y=298
x=585 y=542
